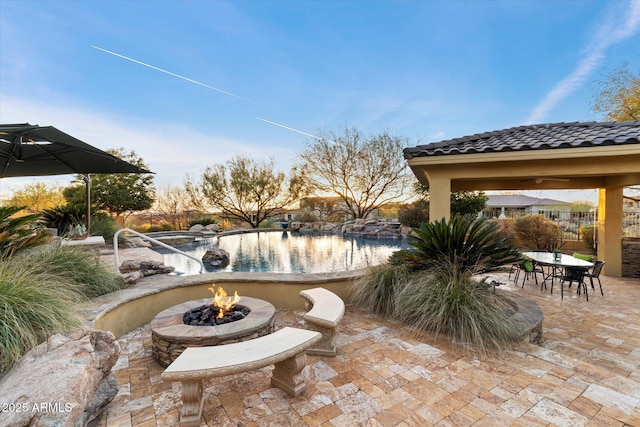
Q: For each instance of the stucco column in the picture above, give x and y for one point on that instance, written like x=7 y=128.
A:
x=610 y=230
x=439 y=198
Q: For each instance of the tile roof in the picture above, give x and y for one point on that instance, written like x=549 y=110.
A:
x=535 y=137
x=519 y=200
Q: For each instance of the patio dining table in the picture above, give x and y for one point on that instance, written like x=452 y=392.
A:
x=547 y=259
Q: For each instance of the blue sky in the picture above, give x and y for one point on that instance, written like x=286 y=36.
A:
x=424 y=70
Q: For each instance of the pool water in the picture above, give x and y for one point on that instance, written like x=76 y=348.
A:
x=288 y=252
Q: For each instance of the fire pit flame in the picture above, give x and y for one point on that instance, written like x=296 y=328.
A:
x=222 y=301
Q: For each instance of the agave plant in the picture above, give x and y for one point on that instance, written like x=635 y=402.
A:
x=64 y=218
x=476 y=244
x=18 y=232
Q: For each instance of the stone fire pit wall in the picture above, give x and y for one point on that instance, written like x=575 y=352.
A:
x=170 y=336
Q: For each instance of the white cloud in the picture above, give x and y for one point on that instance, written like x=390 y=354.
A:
x=610 y=32
x=171 y=151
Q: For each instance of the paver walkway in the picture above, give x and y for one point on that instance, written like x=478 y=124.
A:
x=585 y=373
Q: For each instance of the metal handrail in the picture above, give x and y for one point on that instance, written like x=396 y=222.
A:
x=151 y=239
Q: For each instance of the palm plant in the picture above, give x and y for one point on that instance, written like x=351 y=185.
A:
x=17 y=233
x=64 y=217
x=432 y=287
x=476 y=244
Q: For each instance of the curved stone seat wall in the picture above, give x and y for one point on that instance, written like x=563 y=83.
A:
x=123 y=311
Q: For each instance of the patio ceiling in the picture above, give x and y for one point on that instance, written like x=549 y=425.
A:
x=550 y=156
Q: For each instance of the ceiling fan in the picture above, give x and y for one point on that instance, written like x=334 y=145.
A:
x=541 y=179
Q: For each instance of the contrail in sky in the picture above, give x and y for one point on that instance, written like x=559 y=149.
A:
x=168 y=72
x=207 y=86
x=609 y=34
x=295 y=130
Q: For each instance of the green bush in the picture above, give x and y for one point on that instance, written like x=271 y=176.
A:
x=103 y=225
x=75 y=267
x=476 y=245
x=203 y=220
x=64 y=218
x=446 y=300
x=539 y=233
x=33 y=306
x=377 y=290
x=414 y=214
x=433 y=289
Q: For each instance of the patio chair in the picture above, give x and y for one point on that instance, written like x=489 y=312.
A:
x=595 y=274
x=530 y=269
x=573 y=274
x=515 y=268
x=583 y=257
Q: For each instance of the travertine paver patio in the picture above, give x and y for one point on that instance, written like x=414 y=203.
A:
x=586 y=373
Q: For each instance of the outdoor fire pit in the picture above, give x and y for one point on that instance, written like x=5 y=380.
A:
x=170 y=336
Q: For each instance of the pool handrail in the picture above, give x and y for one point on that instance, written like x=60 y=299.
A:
x=151 y=239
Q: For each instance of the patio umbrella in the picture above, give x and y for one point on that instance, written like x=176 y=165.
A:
x=32 y=150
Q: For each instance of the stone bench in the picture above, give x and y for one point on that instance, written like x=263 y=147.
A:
x=326 y=310
x=284 y=348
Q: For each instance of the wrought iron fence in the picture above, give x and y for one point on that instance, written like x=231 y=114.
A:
x=572 y=222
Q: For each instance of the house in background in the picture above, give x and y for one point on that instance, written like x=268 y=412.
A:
x=513 y=205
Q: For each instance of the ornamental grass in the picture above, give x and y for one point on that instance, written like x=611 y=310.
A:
x=79 y=269
x=448 y=300
x=33 y=306
x=432 y=286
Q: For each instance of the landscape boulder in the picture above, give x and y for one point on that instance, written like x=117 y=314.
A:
x=215 y=257
x=212 y=227
x=196 y=227
x=65 y=381
x=133 y=270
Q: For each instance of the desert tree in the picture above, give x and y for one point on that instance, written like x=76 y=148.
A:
x=618 y=98
x=37 y=197
x=366 y=172
x=173 y=205
x=245 y=190
x=117 y=193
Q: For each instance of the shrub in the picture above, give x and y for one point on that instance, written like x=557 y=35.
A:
x=588 y=234
x=432 y=287
x=446 y=300
x=508 y=229
x=33 y=306
x=376 y=291
x=203 y=220
x=161 y=227
x=538 y=232
x=64 y=218
x=75 y=267
x=308 y=216
x=103 y=225
x=414 y=214
x=17 y=233
x=476 y=244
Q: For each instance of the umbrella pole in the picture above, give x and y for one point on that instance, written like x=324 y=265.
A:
x=87 y=179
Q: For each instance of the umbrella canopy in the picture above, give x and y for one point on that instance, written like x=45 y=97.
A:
x=31 y=150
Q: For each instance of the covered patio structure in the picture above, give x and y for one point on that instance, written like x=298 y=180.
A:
x=590 y=155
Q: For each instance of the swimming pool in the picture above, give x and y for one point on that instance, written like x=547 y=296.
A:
x=288 y=252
